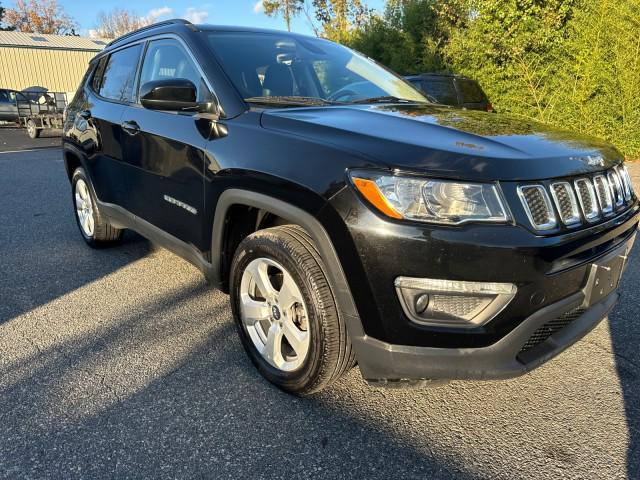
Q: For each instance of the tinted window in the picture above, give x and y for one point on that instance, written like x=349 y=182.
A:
x=167 y=59
x=274 y=65
x=4 y=96
x=97 y=76
x=443 y=90
x=471 y=91
x=119 y=74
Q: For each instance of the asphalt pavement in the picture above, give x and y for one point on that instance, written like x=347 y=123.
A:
x=15 y=139
x=121 y=363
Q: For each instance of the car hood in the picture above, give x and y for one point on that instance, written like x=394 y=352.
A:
x=448 y=142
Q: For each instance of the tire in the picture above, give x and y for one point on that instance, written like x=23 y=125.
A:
x=291 y=260
x=94 y=228
x=32 y=130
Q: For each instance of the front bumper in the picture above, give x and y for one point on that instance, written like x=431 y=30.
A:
x=552 y=275
x=381 y=362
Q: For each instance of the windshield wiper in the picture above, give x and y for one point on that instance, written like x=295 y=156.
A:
x=385 y=99
x=289 y=100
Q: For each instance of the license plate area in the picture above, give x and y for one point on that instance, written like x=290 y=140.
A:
x=605 y=274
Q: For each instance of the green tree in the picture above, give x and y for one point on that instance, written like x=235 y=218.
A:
x=598 y=75
x=513 y=47
x=340 y=18
x=288 y=9
x=411 y=35
x=572 y=63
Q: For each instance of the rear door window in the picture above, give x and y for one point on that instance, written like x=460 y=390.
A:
x=443 y=90
x=4 y=96
x=117 y=79
x=471 y=91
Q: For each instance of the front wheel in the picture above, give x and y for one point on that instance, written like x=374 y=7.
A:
x=285 y=311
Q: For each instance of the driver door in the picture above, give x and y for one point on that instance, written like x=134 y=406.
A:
x=165 y=150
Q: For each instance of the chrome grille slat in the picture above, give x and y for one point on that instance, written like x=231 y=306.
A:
x=627 y=175
x=581 y=201
x=587 y=199
x=617 y=195
x=626 y=182
x=538 y=206
x=566 y=203
x=603 y=192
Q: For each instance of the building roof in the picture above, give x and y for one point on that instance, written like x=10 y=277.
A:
x=55 y=42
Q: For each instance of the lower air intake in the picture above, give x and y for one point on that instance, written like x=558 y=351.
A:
x=551 y=327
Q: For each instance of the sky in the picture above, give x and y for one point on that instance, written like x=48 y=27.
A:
x=221 y=12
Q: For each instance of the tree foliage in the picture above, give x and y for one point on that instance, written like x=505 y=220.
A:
x=288 y=9
x=339 y=19
x=39 y=16
x=410 y=35
x=2 y=24
x=573 y=63
x=118 y=22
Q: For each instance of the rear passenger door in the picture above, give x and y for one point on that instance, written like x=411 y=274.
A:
x=110 y=89
x=165 y=150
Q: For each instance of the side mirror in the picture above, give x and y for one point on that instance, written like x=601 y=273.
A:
x=174 y=95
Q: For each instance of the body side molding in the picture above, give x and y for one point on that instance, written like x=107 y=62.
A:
x=122 y=218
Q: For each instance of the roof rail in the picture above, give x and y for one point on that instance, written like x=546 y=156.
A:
x=173 y=21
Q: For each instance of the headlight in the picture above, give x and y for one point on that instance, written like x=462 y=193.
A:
x=428 y=200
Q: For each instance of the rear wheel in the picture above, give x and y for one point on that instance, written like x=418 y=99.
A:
x=285 y=311
x=32 y=130
x=94 y=228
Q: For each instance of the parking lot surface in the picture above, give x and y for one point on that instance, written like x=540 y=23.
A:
x=122 y=363
x=14 y=139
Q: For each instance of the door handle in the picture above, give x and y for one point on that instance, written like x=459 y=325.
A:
x=86 y=114
x=131 y=127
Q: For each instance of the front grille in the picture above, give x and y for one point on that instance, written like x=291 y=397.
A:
x=551 y=327
x=584 y=200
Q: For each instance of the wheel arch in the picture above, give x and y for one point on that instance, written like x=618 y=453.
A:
x=264 y=208
x=71 y=162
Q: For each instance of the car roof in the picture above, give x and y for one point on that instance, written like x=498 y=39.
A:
x=184 y=26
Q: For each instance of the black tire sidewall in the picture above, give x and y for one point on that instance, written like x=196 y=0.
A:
x=273 y=248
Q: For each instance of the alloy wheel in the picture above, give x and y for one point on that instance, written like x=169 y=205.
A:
x=84 y=208
x=274 y=314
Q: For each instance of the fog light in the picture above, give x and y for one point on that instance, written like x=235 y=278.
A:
x=452 y=303
x=422 y=302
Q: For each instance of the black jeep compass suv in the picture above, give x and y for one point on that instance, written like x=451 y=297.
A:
x=350 y=219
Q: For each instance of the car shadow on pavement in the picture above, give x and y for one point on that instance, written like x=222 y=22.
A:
x=126 y=402
x=42 y=253
x=624 y=325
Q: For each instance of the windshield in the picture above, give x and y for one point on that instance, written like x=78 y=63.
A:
x=282 y=68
